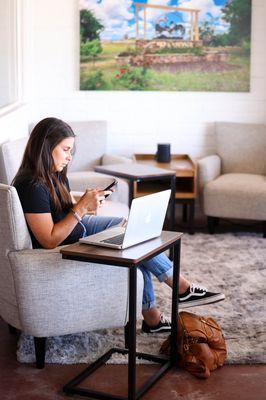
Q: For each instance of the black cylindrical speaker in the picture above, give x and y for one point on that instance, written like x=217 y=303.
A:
x=163 y=154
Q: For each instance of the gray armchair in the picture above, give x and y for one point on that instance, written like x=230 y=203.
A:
x=43 y=295
x=233 y=181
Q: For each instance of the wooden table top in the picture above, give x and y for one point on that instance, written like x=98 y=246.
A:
x=127 y=257
x=182 y=164
x=134 y=170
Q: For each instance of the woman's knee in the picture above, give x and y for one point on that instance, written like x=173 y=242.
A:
x=115 y=221
x=95 y=224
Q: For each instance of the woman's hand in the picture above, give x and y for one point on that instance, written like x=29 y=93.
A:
x=90 y=201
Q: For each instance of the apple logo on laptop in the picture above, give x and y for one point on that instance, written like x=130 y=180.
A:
x=147 y=219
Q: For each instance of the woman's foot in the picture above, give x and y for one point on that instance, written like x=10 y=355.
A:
x=194 y=295
x=164 y=325
x=191 y=295
x=151 y=316
x=154 y=321
x=197 y=295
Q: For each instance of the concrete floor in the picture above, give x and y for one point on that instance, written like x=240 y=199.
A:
x=25 y=382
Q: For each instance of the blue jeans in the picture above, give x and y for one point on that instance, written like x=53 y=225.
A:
x=159 y=266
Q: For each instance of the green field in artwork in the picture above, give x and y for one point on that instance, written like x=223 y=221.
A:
x=104 y=73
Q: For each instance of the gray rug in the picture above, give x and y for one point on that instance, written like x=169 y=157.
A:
x=231 y=263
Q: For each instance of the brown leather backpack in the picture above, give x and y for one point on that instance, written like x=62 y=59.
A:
x=201 y=345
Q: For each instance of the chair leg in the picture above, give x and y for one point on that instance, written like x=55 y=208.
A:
x=191 y=218
x=126 y=333
x=216 y=221
x=40 y=347
x=184 y=213
x=12 y=330
x=211 y=224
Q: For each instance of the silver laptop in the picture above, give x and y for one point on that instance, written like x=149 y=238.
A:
x=145 y=221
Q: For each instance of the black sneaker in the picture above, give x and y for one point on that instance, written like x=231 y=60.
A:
x=163 y=326
x=198 y=296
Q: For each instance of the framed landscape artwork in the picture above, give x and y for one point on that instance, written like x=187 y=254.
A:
x=168 y=45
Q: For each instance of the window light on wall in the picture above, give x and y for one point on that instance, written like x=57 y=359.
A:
x=9 y=53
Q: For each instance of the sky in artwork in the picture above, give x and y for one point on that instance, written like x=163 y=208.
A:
x=119 y=19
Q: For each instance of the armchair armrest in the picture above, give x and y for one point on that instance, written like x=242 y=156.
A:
x=57 y=296
x=108 y=159
x=209 y=168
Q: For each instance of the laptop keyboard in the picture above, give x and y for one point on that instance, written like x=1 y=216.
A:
x=115 y=239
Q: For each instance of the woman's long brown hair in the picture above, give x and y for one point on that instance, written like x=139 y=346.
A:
x=38 y=162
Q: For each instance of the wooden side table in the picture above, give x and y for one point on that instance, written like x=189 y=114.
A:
x=137 y=173
x=130 y=258
x=186 y=182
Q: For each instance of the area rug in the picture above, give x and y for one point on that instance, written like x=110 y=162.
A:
x=232 y=263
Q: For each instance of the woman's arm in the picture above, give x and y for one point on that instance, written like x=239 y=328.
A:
x=49 y=234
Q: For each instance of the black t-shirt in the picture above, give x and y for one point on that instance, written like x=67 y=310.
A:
x=35 y=198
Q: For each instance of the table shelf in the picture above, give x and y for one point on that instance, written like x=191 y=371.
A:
x=186 y=176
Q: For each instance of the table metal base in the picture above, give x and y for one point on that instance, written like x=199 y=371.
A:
x=73 y=388
x=167 y=240
x=188 y=217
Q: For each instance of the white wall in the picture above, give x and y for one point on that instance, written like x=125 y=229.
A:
x=136 y=120
x=14 y=125
x=7 y=46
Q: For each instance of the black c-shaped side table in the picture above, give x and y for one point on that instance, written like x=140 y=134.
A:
x=130 y=258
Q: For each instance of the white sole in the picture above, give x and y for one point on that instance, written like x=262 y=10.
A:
x=161 y=331
x=201 y=302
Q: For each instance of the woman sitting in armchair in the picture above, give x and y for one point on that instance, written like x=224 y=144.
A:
x=55 y=218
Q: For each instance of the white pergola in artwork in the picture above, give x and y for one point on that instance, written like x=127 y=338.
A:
x=194 y=18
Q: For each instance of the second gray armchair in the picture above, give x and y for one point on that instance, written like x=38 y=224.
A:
x=233 y=181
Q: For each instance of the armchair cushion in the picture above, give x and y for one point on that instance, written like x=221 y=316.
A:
x=247 y=200
x=242 y=147
x=81 y=180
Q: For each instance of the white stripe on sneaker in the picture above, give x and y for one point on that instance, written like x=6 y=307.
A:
x=193 y=292
x=200 y=302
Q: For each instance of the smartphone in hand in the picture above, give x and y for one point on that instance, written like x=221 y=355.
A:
x=113 y=184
